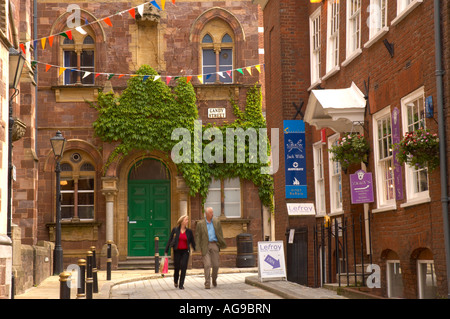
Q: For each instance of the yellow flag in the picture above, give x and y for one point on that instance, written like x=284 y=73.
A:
x=61 y=70
x=249 y=70
x=200 y=78
x=163 y=3
x=258 y=67
x=43 y=42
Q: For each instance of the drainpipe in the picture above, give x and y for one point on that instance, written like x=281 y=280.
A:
x=442 y=137
x=35 y=18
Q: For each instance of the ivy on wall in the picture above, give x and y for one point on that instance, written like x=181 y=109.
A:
x=144 y=116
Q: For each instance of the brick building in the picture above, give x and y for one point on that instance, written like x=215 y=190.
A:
x=366 y=67
x=186 y=38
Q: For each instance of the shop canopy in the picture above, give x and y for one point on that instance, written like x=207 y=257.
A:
x=338 y=109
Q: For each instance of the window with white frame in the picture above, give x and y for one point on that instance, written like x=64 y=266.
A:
x=314 y=27
x=384 y=161
x=426 y=277
x=378 y=17
x=404 y=7
x=394 y=279
x=319 y=179
x=353 y=26
x=413 y=115
x=335 y=179
x=224 y=196
x=333 y=35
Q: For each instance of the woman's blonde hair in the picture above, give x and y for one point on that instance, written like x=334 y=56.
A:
x=180 y=220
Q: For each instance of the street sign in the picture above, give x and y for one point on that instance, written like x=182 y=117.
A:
x=271 y=263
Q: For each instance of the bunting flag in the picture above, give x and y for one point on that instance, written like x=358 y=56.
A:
x=133 y=13
x=22 y=46
x=168 y=78
x=61 y=70
x=107 y=20
x=81 y=30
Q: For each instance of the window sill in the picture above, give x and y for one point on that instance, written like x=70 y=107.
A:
x=332 y=72
x=406 y=11
x=376 y=37
x=336 y=213
x=416 y=202
x=351 y=57
x=313 y=85
x=384 y=209
x=75 y=93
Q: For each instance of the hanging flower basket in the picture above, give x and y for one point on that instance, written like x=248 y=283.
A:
x=350 y=149
x=419 y=149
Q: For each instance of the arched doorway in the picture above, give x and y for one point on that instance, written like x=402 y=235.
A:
x=148 y=207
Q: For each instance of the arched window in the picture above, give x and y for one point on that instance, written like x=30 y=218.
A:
x=77 y=186
x=217 y=52
x=78 y=54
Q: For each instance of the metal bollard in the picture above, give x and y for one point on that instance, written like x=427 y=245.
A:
x=157 y=255
x=89 y=280
x=94 y=270
x=64 y=289
x=81 y=291
x=108 y=260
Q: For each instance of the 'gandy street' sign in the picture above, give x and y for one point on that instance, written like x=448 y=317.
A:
x=271 y=263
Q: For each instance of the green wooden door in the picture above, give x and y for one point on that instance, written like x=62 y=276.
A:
x=148 y=216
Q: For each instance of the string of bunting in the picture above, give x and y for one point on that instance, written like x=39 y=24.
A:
x=201 y=77
x=25 y=46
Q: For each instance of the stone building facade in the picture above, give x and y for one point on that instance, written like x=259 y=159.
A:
x=176 y=41
x=365 y=67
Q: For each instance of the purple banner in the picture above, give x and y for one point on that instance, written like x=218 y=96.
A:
x=396 y=137
x=361 y=187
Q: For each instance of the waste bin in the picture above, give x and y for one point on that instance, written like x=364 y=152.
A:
x=245 y=256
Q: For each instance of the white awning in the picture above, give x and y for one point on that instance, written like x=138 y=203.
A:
x=338 y=109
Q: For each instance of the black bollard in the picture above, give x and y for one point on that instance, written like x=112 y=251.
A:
x=94 y=270
x=108 y=260
x=89 y=280
x=64 y=289
x=157 y=255
x=81 y=291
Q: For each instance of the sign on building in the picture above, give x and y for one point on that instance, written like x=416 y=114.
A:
x=361 y=187
x=271 y=264
x=295 y=159
x=300 y=209
x=216 y=113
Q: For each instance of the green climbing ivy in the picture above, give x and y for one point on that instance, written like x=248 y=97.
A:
x=144 y=116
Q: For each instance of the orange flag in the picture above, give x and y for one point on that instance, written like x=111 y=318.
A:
x=50 y=40
x=189 y=79
x=23 y=48
x=107 y=21
x=173 y=1
x=133 y=13
x=47 y=67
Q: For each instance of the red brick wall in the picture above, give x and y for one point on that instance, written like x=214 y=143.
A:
x=407 y=231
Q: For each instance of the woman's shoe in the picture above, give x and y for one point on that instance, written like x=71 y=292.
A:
x=181 y=287
x=176 y=285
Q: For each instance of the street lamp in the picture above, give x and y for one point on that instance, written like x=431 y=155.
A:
x=16 y=62
x=58 y=142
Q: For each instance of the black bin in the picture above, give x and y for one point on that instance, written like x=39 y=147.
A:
x=245 y=256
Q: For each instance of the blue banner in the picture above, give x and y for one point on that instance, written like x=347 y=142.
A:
x=294 y=158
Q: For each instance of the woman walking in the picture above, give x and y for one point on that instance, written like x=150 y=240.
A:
x=181 y=238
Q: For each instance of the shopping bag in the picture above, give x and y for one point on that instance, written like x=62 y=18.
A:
x=165 y=269
x=164 y=265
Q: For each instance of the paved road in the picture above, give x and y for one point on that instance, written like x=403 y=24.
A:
x=229 y=286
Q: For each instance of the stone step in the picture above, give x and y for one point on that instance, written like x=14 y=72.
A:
x=147 y=262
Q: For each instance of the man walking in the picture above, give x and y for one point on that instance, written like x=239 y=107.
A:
x=209 y=237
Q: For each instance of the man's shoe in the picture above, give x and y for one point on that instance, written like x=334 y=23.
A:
x=214 y=282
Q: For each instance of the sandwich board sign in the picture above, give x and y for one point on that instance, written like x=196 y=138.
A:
x=271 y=264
